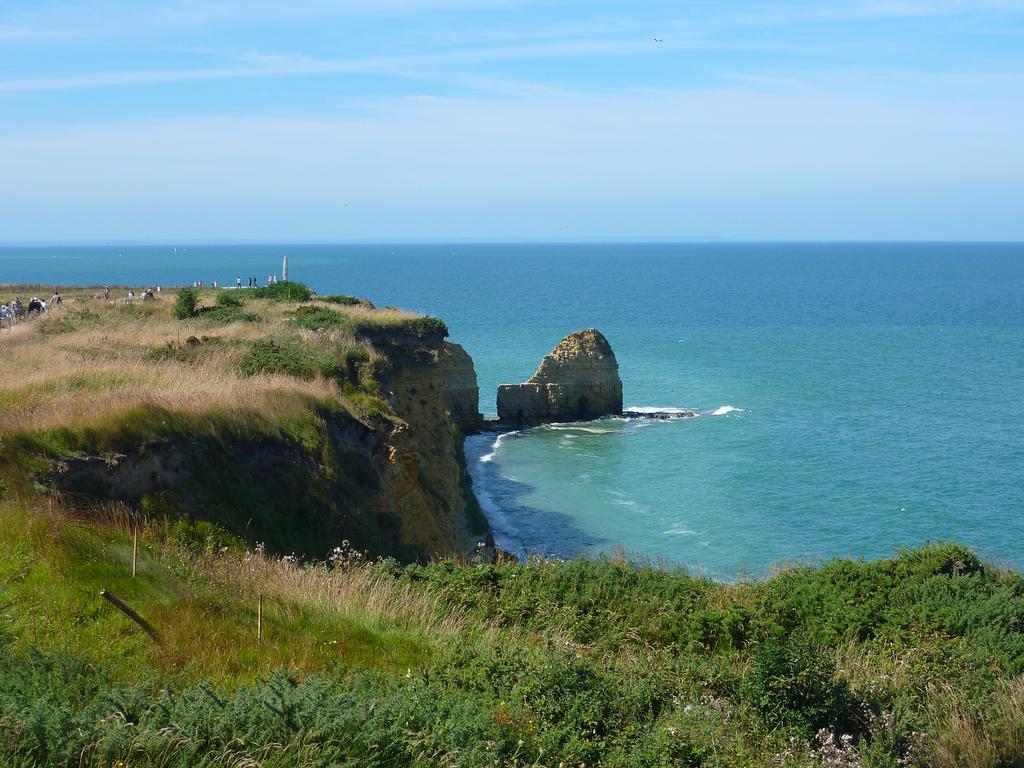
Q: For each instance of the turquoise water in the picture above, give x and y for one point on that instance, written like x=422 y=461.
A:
x=867 y=396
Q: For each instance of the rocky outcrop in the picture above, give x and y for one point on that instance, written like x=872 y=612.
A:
x=579 y=380
x=461 y=393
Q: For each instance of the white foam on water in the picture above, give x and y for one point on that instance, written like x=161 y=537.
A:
x=497 y=445
x=680 y=532
x=505 y=535
x=578 y=428
x=727 y=409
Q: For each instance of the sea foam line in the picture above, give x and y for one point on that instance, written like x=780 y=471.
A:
x=497 y=445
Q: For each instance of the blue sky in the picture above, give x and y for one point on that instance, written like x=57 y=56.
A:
x=245 y=120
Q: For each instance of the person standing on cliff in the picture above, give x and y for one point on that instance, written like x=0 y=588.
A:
x=55 y=300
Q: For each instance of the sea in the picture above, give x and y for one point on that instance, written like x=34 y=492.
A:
x=852 y=399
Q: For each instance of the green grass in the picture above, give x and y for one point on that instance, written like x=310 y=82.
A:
x=582 y=662
x=290 y=291
x=315 y=318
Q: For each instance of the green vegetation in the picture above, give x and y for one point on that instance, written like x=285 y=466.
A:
x=290 y=291
x=348 y=301
x=595 y=663
x=186 y=304
x=229 y=300
x=315 y=318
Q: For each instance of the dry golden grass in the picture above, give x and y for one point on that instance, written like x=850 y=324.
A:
x=351 y=589
x=381 y=316
x=965 y=737
x=101 y=368
x=868 y=668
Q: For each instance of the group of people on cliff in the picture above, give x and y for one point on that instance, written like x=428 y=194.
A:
x=16 y=312
x=146 y=294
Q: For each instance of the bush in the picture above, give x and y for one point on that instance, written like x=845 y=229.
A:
x=348 y=301
x=229 y=299
x=290 y=291
x=316 y=318
x=425 y=326
x=290 y=358
x=226 y=315
x=795 y=683
x=185 y=305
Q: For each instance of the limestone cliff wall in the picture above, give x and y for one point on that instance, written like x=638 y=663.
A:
x=433 y=390
x=461 y=392
x=579 y=380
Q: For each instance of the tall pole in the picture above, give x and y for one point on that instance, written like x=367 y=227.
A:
x=284 y=270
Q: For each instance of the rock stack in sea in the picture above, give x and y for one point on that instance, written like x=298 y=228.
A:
x=579 y=380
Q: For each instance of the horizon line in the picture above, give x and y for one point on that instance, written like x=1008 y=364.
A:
x=680 y=240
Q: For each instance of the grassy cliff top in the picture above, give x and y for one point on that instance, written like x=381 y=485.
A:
x=249 y=353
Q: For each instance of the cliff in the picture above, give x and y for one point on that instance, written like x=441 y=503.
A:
x=298 y=425
x=461 y=392
x=579 y=380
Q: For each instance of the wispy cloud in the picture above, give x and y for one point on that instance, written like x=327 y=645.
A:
x=289 y=65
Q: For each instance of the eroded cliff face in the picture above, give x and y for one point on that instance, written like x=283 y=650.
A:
x=461 y=392
x=579 y=380
x=433 y=390
x=391 y=485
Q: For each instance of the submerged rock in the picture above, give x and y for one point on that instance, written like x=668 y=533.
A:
x=579 y=380
x=670 y=413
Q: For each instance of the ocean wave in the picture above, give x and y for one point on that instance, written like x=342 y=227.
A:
x=727 y=409
x=573 y=428
x=497 y=444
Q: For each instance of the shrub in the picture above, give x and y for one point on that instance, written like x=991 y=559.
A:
x=348 y=301
x=229 y=299
x=795 y=683
x=230 y=314
x=315 y=318
x=290 y=291
x=426 y=326
x=185 y=305
x=289 y=357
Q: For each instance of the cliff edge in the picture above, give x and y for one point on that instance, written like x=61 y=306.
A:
x=294 y=421
x=578 y=381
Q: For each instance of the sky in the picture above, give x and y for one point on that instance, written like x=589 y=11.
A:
x=393 y=120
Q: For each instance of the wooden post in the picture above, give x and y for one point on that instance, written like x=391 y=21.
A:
x=259 y=620
x=135 y=549
x=123 y=608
